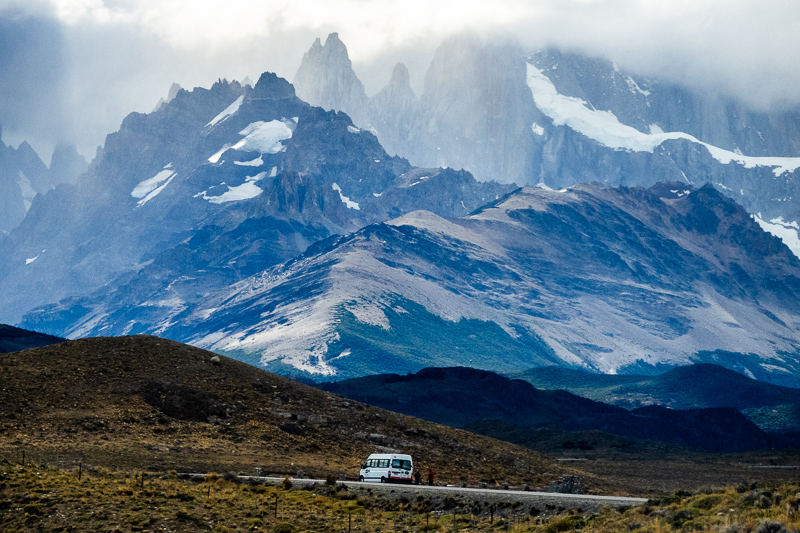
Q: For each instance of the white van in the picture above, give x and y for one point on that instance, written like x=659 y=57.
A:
x=387 y=468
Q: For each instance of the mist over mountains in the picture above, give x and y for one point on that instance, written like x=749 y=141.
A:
x=23 y=175
x=557 y=119
x=245 y=219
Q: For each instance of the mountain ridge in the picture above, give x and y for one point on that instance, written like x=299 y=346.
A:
x=585 y=278
x=465 y=397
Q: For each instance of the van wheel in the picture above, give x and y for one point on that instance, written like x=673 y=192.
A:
x=383 y=479
x=361 y=479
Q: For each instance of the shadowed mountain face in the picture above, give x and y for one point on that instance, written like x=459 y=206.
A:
x=613 y=280
x=772 y=407
x=210 y=188
x=466 y=397
x=15 y=339
x=686 y=387
x=144 y=402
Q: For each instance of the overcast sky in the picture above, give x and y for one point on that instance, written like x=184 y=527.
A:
x=70 y=70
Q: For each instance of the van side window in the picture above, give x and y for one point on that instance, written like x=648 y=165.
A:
x=384 y=463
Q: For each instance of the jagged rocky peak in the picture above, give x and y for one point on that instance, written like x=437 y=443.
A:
x=66 y=164
x=173 y=91
x=326 y=79
x=394 y=112
x=399 y=87
x=272 y=87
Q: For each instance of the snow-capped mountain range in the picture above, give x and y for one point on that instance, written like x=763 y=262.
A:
x=210 y=188
x=611 y=280
x=245 y=220
x=558 y=119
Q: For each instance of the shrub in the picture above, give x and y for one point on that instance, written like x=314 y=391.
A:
x=287 y=484
x=768 y=526
x=284 y=527
x=568 y=523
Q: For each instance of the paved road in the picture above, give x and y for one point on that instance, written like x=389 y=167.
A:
x=586 y=502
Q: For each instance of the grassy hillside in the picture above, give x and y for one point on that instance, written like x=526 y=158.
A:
x=37 y=499
x=147 y=403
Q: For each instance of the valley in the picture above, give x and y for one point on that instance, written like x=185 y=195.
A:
x=569 y=289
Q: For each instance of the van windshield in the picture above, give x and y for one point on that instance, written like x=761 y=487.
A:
x=400 y=463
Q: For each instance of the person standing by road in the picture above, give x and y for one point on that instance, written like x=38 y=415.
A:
x=430 y=477
x=416 y=477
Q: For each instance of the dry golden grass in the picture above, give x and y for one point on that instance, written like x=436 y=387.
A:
x=87 y=400
x=43 y=499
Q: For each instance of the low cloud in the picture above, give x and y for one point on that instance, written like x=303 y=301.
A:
x=72 y=69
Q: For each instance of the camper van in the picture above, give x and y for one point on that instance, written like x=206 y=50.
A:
x=387 y=468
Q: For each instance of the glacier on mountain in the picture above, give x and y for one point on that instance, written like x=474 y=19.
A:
x=605 y=128
x=260 y=136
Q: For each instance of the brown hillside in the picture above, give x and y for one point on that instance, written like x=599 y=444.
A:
x=147 y=403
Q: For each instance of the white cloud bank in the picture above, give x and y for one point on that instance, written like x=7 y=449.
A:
x=745 y=48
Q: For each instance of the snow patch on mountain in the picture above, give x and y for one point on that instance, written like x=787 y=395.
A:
x=353 y=129
x=28 y=192
x=254 y=163
x=150 y=188
x=215 y=158
x=785 y=231
x=30 y=260
x=605 y=128
x=226 y=113
x=260 y=136
x=245 y=191
x=346 y=200
x=635 y=87
x=266 y=137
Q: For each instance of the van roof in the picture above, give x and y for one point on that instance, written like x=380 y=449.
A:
x=389 y=456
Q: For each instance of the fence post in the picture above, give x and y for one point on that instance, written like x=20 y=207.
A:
x=80 y=469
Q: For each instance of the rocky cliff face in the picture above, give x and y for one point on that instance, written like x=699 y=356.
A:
x=559 y=119
x=326 y=79
x=214 y=186
x=23 y=175
x=394 y=112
